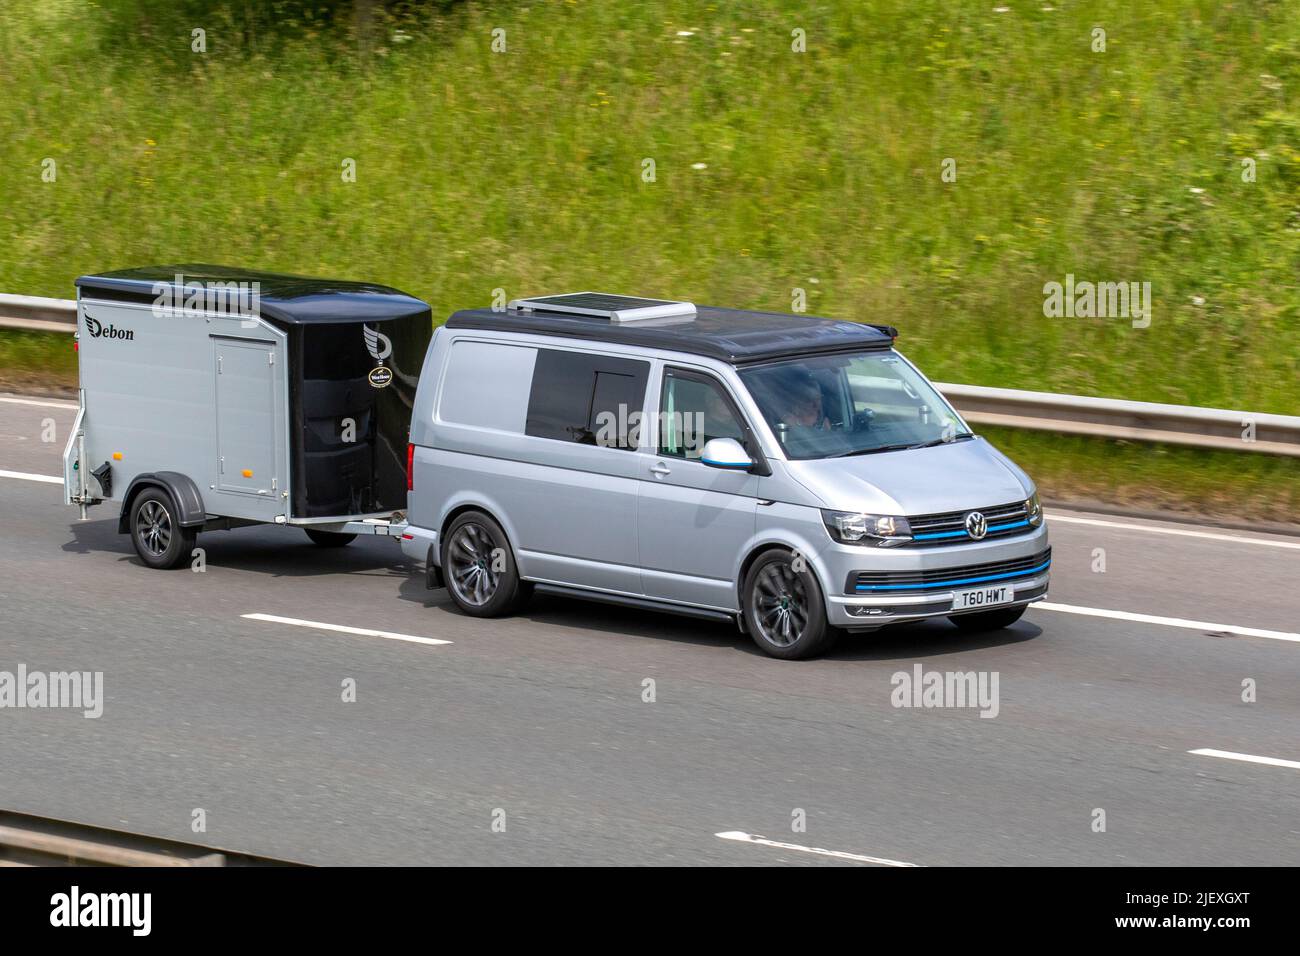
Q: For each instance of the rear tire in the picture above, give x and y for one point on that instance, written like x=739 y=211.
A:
x=160 y=542
x=784 y=610
x=329 y=539
x=479 y=568
x=988 y=620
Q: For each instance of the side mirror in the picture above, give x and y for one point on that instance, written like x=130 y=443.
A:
x=725 y=453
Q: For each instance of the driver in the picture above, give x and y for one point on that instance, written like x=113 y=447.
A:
x=804 y=406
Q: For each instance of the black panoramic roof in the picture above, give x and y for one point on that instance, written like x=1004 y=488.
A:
x=737 y=336
x=284 y=299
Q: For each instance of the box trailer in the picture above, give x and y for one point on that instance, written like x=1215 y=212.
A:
x=212 y=398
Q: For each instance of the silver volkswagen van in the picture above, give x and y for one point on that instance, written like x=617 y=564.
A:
x=796 y=475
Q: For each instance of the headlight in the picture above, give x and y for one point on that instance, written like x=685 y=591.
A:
x=1034 y=511
x=852 y=527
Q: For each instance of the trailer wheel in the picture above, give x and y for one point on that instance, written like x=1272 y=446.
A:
x=158 y=539
x=329 y=539
x=479 y=567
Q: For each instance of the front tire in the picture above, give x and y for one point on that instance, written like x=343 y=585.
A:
x=159 y=541
x=784 y=610
x=479 y=567
x=988 y=620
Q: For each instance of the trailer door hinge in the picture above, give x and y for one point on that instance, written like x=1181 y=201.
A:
x=218 y=364
x=270 y=358
x=221 y=466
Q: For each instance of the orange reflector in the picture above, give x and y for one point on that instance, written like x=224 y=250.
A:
x=117 y=456
x=248 y=473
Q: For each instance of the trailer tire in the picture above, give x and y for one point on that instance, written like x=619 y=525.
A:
x=158 y=538
x=479 y=567
x=329 y=539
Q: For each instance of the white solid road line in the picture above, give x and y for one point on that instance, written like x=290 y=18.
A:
x=1168 y=621
x=742 y=837
x=363 y=631
x=50 y=479
x=1247 y=758
x=33 y=401
x=1183 y=532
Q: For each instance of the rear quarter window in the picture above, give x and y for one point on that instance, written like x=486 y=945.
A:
x=486 y=385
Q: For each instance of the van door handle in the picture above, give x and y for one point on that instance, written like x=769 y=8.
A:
x=661 y=469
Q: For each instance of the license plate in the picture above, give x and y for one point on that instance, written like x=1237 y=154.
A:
x=981 y=597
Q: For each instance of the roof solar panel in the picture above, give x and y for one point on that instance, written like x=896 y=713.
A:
x=605 y=305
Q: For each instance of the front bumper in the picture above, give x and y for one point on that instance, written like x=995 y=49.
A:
x=867 y=614
x=870 y=611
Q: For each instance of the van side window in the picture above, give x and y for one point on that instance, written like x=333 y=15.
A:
x=585 y=398
x=693 y=409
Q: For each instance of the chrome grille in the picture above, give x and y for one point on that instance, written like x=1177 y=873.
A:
x=950 y=527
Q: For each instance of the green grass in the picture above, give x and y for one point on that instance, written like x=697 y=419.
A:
x=1146 y=477
x=42 y=362
x=521 y=171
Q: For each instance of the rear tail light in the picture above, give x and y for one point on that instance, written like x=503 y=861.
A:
x=410 y=470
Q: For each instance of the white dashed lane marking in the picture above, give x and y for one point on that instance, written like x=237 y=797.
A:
x=1167 y=621
x=1052 y=518
x=361 y=631
x=1246 y=758
x=25 y=476
x=742 y=837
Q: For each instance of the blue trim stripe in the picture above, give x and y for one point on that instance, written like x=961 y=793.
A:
x=943 y=584
x=962 y=534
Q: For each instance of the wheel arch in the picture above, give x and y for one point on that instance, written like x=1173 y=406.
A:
x=184 y=492
x=762 y=548
x=486 y=509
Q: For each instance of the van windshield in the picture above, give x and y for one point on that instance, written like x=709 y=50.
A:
x=859 y=403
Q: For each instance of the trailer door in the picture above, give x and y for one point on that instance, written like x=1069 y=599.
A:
x=246 y=410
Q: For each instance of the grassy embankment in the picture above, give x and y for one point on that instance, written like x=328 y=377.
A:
x=774 y=171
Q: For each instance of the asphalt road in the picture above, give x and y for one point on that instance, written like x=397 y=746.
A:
x=542 y=717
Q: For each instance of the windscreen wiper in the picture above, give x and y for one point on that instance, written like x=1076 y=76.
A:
x=900 y=447
x=869 y=451
x=942 y=441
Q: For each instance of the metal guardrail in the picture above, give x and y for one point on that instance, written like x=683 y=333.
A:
x=40 y=314
x=1189 y=425
x=27 y=840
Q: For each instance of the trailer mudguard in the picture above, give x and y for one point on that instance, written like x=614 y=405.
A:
x=183 y=491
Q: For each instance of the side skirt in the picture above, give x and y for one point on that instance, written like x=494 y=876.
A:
x=648 y=604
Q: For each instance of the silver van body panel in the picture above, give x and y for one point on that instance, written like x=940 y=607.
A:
x=958 y=475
